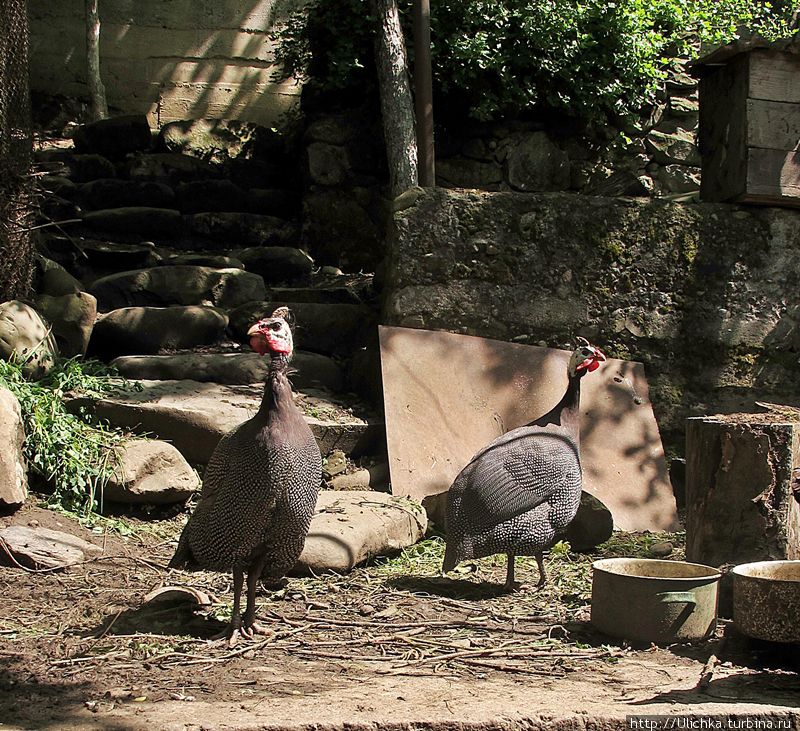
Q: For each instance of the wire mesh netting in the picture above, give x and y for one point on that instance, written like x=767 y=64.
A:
x=16 y=240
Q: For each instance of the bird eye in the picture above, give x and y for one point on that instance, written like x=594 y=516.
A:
x=275 y=326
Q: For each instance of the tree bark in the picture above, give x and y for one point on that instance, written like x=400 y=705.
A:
x=97 y=92
x=397 y=107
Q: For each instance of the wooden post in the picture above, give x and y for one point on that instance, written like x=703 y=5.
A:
x=742 y=488
x=423 y=93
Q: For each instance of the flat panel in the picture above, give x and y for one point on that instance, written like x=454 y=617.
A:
x=774 y=76
x=773 y=125
x=446 y=396
x=774 y=173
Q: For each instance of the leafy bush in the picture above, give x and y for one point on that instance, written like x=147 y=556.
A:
x=73 y=455
x=585 y=59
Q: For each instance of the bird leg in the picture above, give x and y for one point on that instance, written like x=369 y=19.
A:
x=249 y=626
x=510 y=584
x=542 y=575
x=234 y=628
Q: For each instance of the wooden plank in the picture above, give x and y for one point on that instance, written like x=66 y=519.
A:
x=773 y=125
x=722 y=135
x=774 y=76
x=773 y=176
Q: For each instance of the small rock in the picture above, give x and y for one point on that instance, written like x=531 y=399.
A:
x=365 y=610
x=661 y=549
x=335 y=463
x=151 y=472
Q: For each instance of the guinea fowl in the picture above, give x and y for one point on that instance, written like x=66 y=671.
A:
x=260 y=487
x=519 y=492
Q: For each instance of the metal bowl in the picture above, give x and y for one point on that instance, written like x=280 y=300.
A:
x=647 y=600
x=766 y=600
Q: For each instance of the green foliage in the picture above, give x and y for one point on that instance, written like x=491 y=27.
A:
x=583 y=59
x=75 y=456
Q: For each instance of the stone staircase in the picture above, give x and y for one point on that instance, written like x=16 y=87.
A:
x=177 y=256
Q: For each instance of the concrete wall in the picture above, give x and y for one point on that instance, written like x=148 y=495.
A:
x=175 y=59
x=704 y=294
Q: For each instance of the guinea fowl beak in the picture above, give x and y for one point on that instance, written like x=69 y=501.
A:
x=257 y=340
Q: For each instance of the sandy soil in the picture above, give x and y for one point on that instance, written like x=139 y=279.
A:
x=373 y=650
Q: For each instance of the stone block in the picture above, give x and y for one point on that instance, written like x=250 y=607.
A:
x=42 y=548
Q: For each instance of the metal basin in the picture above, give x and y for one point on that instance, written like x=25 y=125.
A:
x=647 y=600
x=766 y=600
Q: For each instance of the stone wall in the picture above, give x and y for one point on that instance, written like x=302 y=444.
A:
x=704 y=294
x=183 y=59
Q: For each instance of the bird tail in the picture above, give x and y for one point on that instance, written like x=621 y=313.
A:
x=183 y=554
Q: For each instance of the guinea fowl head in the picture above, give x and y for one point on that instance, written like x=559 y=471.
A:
x=585 y=359
x=273 y=334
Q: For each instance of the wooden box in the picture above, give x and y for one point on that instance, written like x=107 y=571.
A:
x=750 y=128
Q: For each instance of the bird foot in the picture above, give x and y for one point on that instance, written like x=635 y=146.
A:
x=241 y=629
x=513 y=586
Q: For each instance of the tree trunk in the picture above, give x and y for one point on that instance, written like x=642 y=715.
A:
x=742 y=488
x=397 y=107
x=97 y=92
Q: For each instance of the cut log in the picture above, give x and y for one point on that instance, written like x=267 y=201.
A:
x=742 y=488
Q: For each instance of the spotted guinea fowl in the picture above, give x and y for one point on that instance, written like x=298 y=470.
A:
x=260 y=487
x=523 y=489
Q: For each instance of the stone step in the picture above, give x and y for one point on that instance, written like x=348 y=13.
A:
x=193 y=416
x=177 y=284
x=149 y=330
x=337 y=329
x=313 y=369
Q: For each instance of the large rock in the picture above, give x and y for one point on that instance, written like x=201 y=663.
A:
x=231 y=229
x=13 y=474
x=83 y=168
x=675 y=147
x=210 y=195
x=42 y=548
x=464 y=173
x=137 y=221
x=220 y=140
x=276 y=263
x=116 y=193
x=72 y=317
x=114 y=137
x=273 y=202
x=194 y=416
x=350 y=527
x=180 y=285
x=338 y=229
x=25 y=336
x=151 y=472
x=105 y=256
x=170 y=168
x=327 y=164
x=52 y=279
x=323 y=328
x=152 y=329
x=311 y=370
x=536 y=164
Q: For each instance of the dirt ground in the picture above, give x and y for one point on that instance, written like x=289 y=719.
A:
x=393 y=645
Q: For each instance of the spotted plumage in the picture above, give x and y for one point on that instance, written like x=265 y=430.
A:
x=260 y=487
x=519 y=492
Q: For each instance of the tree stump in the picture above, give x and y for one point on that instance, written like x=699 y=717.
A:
x=743 y=487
